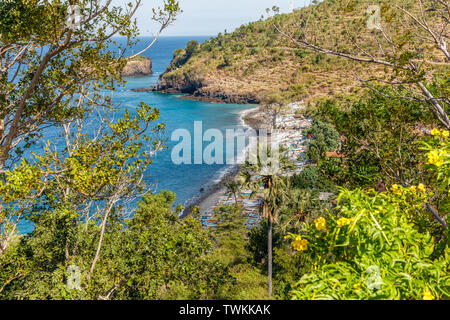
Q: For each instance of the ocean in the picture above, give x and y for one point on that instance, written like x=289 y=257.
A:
x=184 y=180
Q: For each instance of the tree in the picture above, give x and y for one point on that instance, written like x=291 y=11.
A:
x=233 y=189
x=191 y=48
x=53 y=74
x=152 y=255
x=324 y=138
x=272 y=188
x=373 y=127
x=274 y=105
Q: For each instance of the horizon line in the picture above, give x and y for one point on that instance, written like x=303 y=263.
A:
x=173 y=35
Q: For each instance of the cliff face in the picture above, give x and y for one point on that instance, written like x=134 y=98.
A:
x=207 y=88
x=138 y=66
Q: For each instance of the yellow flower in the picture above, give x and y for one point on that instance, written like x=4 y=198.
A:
x=357 y=286
x=341 y=222
x=435 y=157
x=435 y=132
x=300 y=244
x=321 y=224
x=344 y=221
x=427 y=295
x=445 y=133
x=421 y=188
x=413 y=189
x=396 y=189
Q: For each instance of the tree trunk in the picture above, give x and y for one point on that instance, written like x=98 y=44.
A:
x=100 y=241
x=269 y=255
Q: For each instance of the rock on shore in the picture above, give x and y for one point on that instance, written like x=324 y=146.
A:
x=138 y=66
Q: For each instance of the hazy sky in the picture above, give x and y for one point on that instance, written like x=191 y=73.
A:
x=209 y=17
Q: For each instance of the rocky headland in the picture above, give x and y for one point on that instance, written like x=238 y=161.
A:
x=205 y=89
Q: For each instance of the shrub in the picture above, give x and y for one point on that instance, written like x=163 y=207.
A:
x=372 y=249
x=324 y=138
x=312 y=178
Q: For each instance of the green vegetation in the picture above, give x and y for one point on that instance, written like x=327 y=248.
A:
x=231 y=240
x=385 y=235
x=273 y=195
x=140 y=257
x=371 y=249
x=324 y=138
x=366 y=219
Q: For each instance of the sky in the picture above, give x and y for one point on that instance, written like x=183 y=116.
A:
x=209 y=17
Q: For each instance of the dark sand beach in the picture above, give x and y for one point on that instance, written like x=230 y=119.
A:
x=207 y=199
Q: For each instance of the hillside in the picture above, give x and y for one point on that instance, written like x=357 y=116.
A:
x=256 y=63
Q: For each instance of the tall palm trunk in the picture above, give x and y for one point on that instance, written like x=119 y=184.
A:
x=269 y=254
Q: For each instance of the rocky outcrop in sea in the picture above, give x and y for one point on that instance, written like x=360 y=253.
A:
x=138 y=66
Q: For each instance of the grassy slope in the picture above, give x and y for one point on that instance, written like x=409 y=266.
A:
x=256 y=60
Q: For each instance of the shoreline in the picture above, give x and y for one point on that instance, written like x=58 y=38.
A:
x=256 y=119
x=218 y=97
x=237 y=99
x=207 y=199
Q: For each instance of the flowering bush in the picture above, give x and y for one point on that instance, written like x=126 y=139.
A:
x=438 y=149
x=372 y=250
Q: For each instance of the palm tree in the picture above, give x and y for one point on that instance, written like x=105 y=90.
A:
x=233 y=189
x=272 y=188
x=301 y=204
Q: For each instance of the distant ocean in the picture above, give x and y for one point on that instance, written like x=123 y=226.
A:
x=184 y=180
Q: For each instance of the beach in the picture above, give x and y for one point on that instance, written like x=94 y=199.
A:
x=289 y=136
x=207 y=199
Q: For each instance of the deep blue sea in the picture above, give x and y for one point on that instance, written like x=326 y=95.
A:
x=185 y=180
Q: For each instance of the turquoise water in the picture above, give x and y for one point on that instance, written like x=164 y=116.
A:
x=185 y=180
